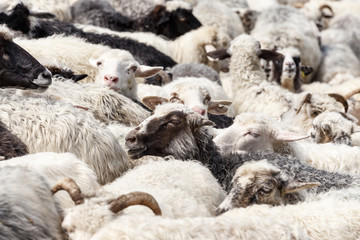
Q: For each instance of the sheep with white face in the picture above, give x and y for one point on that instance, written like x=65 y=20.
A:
x=117 y=69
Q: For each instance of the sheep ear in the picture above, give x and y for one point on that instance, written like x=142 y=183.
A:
x=286 y=136
x=218 y=54
x=294 y=186
x=326 y=11
x=306 y=70
x=146 y=71
x=152 y=101
x=269 y=55
x=219 y=107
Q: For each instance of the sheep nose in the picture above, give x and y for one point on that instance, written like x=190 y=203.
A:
x=109 y=78
x=131 y=139
x=199 y=110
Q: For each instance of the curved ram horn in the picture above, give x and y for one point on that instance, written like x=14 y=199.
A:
x=135 y=198
x=306 y=99
x=328 y=7
x=71 y=187
x=352 y=93
x=340 y=99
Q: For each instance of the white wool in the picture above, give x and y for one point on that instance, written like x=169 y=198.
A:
x=323 y=219
x=185 y=49
x=217 y=14
x=56 y=126
x=56 y=166
x=190 y=190
x=229 y=226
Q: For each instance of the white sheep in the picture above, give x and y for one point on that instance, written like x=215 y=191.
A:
x=78 y=52
x=56 y=126
x=323 y=219
x=55 y=166
x=190 y=47
x=281 y=27
x=230 y=226
x=250 y=90
x=216 y=13
x=27 y=208
x=105 y=104
x=190 y=190
x=200 y=94
x=258 y=132
x=118 y=69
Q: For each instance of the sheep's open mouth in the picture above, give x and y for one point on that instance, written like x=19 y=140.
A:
x=136 y=153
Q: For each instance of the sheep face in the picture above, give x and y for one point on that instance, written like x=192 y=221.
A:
x=259 y=182
x=170 y=130
x=18 y=67
x=253 y=132
x=117 y=70
x=173 y=24
x=334 y=127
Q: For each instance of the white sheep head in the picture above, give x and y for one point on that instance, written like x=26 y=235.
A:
x=117 y=69
x=193 y=93
x=253 y=132
x=259 y=182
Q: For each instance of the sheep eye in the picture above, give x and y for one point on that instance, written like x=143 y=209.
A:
x=207 y=99
x=98 y=63
x=265 y=190
x=314 y=113
x=175 y=99
x=252 y=134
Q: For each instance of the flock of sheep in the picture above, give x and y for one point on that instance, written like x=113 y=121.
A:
x=191 y=119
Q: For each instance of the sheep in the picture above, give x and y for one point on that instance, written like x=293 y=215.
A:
x=226 y=226
x=279 y=181
x=306 y=106
x=177 y=194
x=287 y=28
x=105 y=104
x=61 y=9
x=47 y=49
x=334 y=127
x=170 y=21
x=248 y=81
x=337 y=59
x=10 y=145
x=325 y=219
x=200 y=94
x=27 y=209
x=343 y=29
x=27 y=72
x=257 y=132
x=74 y=128
x=56 y=166
x=324 y=11
x=190 y=47
x=118 y=69
x=216 y=13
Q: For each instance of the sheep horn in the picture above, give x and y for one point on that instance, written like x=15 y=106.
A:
x=340 y=99
x=306 y=99
x=135 y=198
x=352 y=93
x=328 y=7
x=71 y=187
